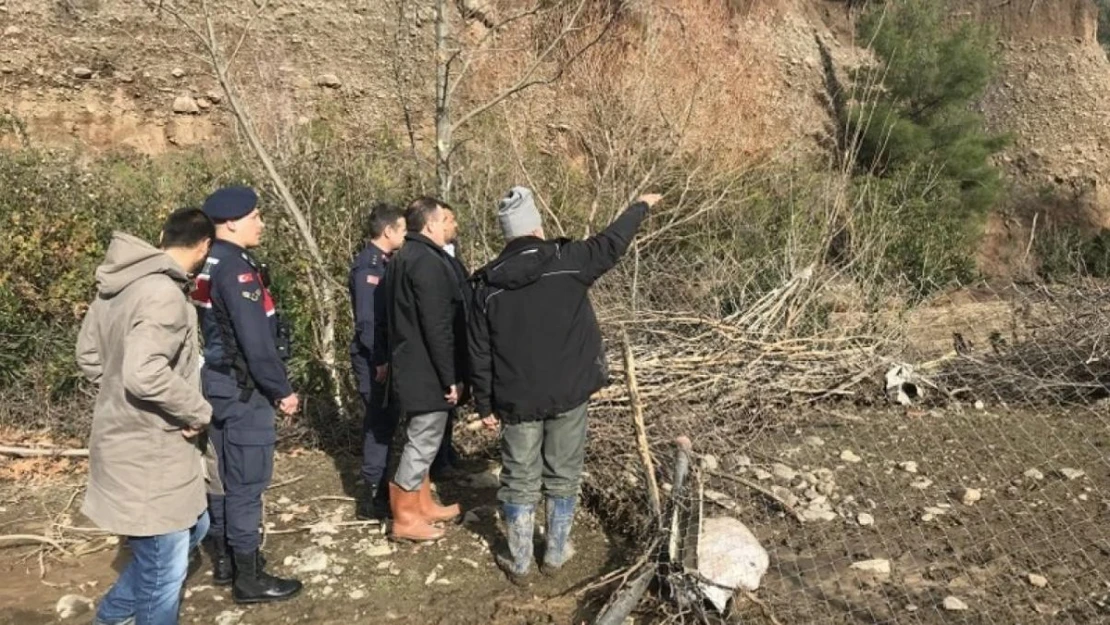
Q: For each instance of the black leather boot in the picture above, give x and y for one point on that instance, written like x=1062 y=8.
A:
x=373 y=503
x=254 y=585
x=221 y=559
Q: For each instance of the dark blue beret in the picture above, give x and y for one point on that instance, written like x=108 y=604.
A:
x=230 y=203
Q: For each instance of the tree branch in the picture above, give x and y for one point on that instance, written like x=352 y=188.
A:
x=526 y=81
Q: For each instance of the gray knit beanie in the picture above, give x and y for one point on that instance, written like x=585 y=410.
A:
x=517 y=213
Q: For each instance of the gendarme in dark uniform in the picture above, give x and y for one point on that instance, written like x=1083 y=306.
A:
x=367 y=353
x=243 y=377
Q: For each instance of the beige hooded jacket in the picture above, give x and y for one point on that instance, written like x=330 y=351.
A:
x=139 y=343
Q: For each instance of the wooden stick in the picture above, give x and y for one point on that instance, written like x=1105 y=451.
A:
x=339 y=526
x=763 y=491
x=286 y=482
x=38 y=539
x=762 y=606
x=638 y=420
x=31 y=452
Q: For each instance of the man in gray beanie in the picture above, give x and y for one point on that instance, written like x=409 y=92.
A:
x=532 y=316
x=517 y=214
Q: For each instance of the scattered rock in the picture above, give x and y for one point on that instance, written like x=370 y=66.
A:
x=375 y=549
x=865 y=519
x=783 y=472
x=331 y=81
x=1034 y=474
x=921 y=484
x=979 y=405
x=328 y=590
x=83 y=73
x=229 y=617
x=878 y=566
x=818 y=514
x=178 y=72
x=1040 y=581
x=284 y=501
x=185 y=105
x=70 y=606
x=310 y=560
x=826 y=488
x=428 y=581
x=12 y=31
x=1070 y=474
x=814 y=441
x=849 y=456
x=742 y=461
x=954 y=604
x=908 y=466
x=761 y=474
x=709 y=462
x=214 y=96
x=384 y=565
x=967 y=496
x=324 y=541
x=357 y=594
x=783 y=493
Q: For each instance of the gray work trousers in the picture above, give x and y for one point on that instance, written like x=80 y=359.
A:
x=545 y=455
x=423 y=436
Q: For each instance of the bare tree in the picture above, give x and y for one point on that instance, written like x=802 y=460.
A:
x=582 y=24
x=198 y=21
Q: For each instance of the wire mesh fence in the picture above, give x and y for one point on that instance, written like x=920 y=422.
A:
x=940 y=462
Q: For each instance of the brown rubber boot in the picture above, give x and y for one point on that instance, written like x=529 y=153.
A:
x=409 y=522
x=431 y=510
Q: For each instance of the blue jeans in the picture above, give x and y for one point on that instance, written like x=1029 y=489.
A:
x=149 y=589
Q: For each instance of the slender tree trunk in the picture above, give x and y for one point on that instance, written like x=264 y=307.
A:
x=444 y=176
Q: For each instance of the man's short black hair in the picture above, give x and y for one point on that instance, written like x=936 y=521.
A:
x=187 y=227
x=382 y=216
x=418 y=212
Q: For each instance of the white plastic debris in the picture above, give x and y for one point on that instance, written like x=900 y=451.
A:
x=901 y=385
x=729 y=557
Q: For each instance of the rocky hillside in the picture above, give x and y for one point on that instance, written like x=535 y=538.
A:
x=111 y=74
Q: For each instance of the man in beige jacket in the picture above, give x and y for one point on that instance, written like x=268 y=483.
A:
x=139 y=344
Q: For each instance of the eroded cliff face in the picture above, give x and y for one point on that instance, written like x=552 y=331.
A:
x=746 y=77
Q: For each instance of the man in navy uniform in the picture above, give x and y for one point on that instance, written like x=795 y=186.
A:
x=385 y=235
x=244 y=377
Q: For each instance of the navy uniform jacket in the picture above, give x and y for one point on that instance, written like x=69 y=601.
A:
x=231 y=284
x=367 y=273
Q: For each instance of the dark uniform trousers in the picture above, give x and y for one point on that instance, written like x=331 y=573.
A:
x=243 y=436
x=379 y=423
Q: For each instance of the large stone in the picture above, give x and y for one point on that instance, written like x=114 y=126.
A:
x=1040 y=581
x=729 y=557
x=849 y=456
x=967 y=496
x=909 y=466
x=783 y=472
x=954 y=604
x=83 y=73
x=1070 y=474
x=877 y=566
x=331 y=81
x=185 y=105
x=70 y=606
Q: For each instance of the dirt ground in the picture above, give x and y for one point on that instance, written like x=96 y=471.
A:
x=1028 y=546
x=1034 y=548
x=366 y=578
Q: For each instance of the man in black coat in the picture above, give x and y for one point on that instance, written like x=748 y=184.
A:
x=426 y=337
x=536 y=358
